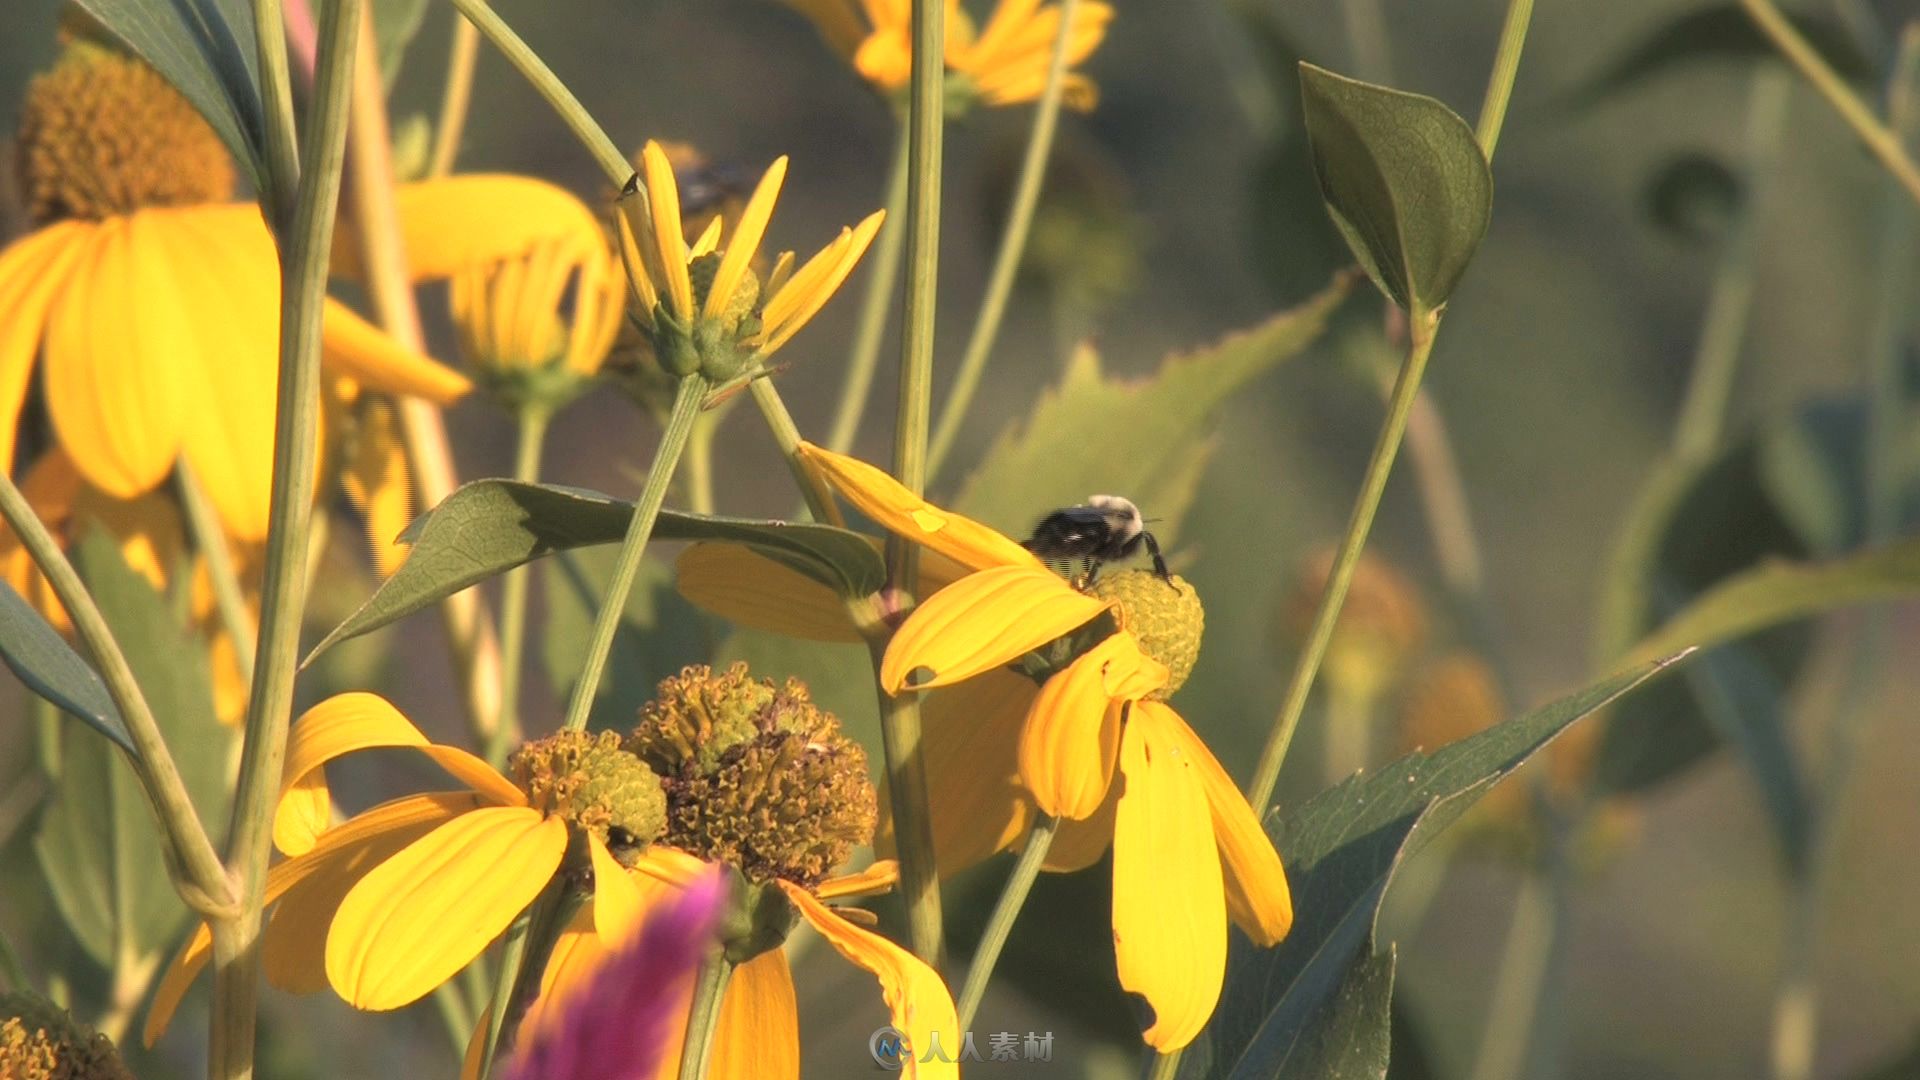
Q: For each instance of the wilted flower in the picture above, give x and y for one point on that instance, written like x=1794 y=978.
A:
x=41 y=1041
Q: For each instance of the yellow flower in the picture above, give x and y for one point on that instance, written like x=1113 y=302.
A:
x=151 y=302
x=1188 y=850
x=1004 y=64
x=399 y=898
x=702 y=307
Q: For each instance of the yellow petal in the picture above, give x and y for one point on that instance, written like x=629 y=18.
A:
x=377 y=483
x=885 y=58
x=981 y=622
x=1169 y=904
x=425 y=913
x=663 y=195
x=115 y=344
x=1079 y=844
x=877 y=878
x=634 y=262
x=900 y=511
x=453 y=222
x=1257 y=893
x=740 y=585
x=1072 y=735
x=758 y=1037
x=341 y=725
x=33 y=271
x=836 y=22
x=809 y=289
x=617 y=900
x=707 y=241
x=971 y=732
x=350 y=345
x=746 y=239
x=915 y=996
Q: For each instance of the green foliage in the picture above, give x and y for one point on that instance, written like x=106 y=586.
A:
x=205 y=48
x=491 y=526
x=1405 y=182
x=1294 y=1009
x=395 y=23
x=98 y=843
x=1148 y=438
x=49 y=667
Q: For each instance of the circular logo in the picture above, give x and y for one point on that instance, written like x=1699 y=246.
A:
x=889 y=1048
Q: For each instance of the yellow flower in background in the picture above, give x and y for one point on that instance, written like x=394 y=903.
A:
x=390 y=904
x=702 y=307
x=1188 y=851
x=1003 y=64
x=151 y=302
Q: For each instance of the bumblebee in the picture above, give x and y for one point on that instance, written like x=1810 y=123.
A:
x=1107 y=528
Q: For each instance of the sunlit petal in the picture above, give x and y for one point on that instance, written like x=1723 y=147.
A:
x=877 y=878
x=981 y=622
x=758 y=1036
x=376 y=482
x=663 y=196
x=971 y=737
x=800 y=303
x=746 y=239
x=452 y=222
x=617 y=900
x=33 y=271
x=898 y=510
x=1071 y=740
x=1257 y=893
x=743 y=586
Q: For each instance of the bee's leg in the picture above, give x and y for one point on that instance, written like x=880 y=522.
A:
x=1159 y=564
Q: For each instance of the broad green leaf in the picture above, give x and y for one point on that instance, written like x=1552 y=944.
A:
x=98 y=842
x=48 y=665
x=488 y=527
x=205 y=48
x=1142 y=438
x=1720 y=33
x=395 y=23
x=1341 y=849
x=1404 y=180
x=660 y=634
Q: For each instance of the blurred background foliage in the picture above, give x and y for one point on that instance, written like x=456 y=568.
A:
x=1182 y=209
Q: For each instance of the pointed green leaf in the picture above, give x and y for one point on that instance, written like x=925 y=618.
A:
x=491 y=526
x=48 y=665
x=1142 y=438
x=1341 y=849
x=1405 y=182
x=205 y=48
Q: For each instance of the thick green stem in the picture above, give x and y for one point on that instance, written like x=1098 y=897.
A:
x=1013 y=896
x=780 y=422
x=1525 y=966
x=699 y=463
x=1422 y=328
x=703 y=1016
x=883 y=280
x=1013 y=244
x=673 y=441
x=305 y=246
x=282 y=180
x=513 y=593
x=1506 y=65
x=211 y=541
x=462 y=55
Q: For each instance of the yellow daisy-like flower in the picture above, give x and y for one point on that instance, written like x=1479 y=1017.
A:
x=150 y=301
x=399 y=898
x=1003 y=64
x=702 y=307
x=1188 y=851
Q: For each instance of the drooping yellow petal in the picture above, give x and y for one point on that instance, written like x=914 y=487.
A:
x=663 y=196
x=1257 y=894
x=898 y=510
x=877 y=878
x=33 y=272
x=639 y=280
x=1079 y=844
x=425 y=913
x=885 y=58
x=617 y=900
x=740 y=585
x=836 y=21
x=981 y=622
x=919 y=1002
x=350 y=345
x=809 y=289
x=377 y=483
x=758 y=1037
x=746 y=239
x=448 y=223
x=354 y=721
x=1071 y=740
x=113 y=356
x=1169 y=903
x=971 y=738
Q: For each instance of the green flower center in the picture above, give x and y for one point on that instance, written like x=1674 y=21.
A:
x=104 y=134
x=1167 y=622
x=594 y=783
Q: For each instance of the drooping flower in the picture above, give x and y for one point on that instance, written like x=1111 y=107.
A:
x=702 y=307
x=1005 y=63
x=1095 y=744
x=152 y=302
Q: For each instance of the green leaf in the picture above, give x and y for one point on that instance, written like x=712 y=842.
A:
x=1142 y=438
x=48 y=665
x=1405 y=182
x=395 y=24
x=1721 y=33
x=1342 y=848
x=488 y=527
x=205 y=48
x=660 y=633
x=98 y=842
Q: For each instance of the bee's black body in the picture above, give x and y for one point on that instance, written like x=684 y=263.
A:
x=1106 y=529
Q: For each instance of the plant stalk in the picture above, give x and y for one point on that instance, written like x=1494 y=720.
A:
x=703 y=1015
x=462 y=56
x=513 y=591
x=883 y=280
x=276 y=98
x=1506 y=66
x=1013 y=896
x=211 y=541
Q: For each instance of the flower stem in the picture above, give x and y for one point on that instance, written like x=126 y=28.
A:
x=1879 y=140
x=883 y=280
x=282 y=180
x=700 y=464
x=1526 y=962
x=305 y=246
x=513 y=591
x=703 y=1015
x=1013 y=896
x=513 y=953
x=205 y=887
x=1506 y=65
x=686 y=407
x=462 y=55
x=211 y=541
x=1013 y=244
x=1165 y=1066
x=548 y=85
x=780 y=422
x=1422 y=329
